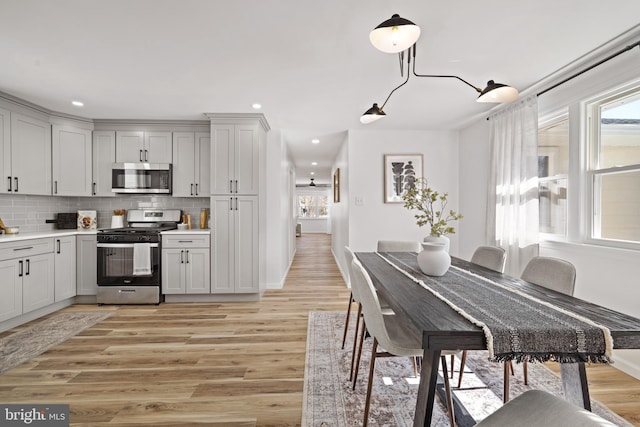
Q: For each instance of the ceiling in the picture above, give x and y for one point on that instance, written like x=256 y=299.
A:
x=309 y=63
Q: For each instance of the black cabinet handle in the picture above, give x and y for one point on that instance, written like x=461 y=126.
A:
x=20 y=272
x=55 y=187
x=140 y=155
x=196 y=189
x=187 y=257
x=15 y=190
x=192 y=189
x=58 y=242
x=28 y=267
x=146 y=155
x=181 y=259
x=9 y=183
x=230 y=186
x=94 y=188
x=236 y=186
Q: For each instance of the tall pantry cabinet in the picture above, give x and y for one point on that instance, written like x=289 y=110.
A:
x=237 y=172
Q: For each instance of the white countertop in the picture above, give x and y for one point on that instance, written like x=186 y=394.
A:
x=192 y=231
x=42 y=234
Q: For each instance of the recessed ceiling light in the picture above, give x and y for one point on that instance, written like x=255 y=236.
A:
x=315 y=141
x=314 y=163
x=313 y=173
x=78 y=103
x=256 y=106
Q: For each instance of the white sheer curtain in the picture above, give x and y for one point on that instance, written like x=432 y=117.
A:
x=512 y=208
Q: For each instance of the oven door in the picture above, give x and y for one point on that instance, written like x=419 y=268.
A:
x=116 y=265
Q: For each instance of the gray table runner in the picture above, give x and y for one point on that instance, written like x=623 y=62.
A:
x=517 y=326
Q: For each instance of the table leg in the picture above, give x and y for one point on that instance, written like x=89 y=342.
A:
x=574 y=383
x=427 y=388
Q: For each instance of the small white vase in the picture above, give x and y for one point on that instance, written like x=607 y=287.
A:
x=433 y=259
x=438 y=239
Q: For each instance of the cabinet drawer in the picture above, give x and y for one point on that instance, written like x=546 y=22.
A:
x=187 y=240
x=25 y=248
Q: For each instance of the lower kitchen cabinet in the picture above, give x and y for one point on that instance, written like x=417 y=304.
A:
x=185 y=264
x=26 y=276
x=87 y=265
x=65 y=268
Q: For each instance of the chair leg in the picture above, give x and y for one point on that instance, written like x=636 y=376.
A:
x=463 y=360
x=447 y=389
x=452 y=365
x=357 y=367
x=415 y=366
x=355 y=342
x=346 y=322
x=526 y=376
x=505 y=390
x=511 y=367
x=372 y=368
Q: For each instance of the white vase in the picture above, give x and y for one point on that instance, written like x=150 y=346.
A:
x=438 y=239
x=433 y=259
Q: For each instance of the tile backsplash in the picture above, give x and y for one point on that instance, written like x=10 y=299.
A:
x=30 y=212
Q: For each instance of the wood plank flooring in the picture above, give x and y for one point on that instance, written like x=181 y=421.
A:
x=218 y=364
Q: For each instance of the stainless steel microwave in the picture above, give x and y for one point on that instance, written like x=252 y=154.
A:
x=138 y=178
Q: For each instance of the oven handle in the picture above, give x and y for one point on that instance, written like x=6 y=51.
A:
x=124 y=245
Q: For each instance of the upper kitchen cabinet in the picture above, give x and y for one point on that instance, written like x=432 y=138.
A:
x=104 y=156
x=235 y=153
x=191 y=160
x=27 y=156
x=138 y=146
x=71 y=161
x=5 y=148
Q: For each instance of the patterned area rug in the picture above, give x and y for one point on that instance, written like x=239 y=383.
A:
x=34 y=340
x=330 y=401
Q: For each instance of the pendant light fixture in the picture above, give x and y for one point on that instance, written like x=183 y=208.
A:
x=396 y=35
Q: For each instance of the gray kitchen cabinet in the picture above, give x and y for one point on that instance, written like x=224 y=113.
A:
x=71 y=161
x=104 y=156
x=191 y=161
x=185 y=263
x=27 y=163
x=235 y=249
x=86 y=264
x=139 y=146
x=65 y=268
x=235 y=154
x=27 y=275
x=5 y=150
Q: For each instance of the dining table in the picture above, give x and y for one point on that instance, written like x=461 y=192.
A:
x=444 y=326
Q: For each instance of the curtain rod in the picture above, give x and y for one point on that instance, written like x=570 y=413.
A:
x=636 y=44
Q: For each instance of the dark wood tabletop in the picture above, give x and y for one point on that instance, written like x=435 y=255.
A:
x=445 y=329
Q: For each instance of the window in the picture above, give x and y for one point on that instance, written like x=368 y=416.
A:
x=614 y=172
x=553 y=169
x=313 y=206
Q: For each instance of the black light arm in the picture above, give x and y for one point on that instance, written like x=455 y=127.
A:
x=438 y=75
x=403 y=83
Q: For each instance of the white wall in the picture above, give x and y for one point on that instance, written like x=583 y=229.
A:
x=374 y=220
x=340 y=210
x=280 y=230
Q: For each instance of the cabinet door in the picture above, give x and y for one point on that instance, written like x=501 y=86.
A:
x=246 y=160
x=37 y=282
x=65 y=268
x=222 y=253
x=246 y=244
x=173 y=265
x=5 y=150
x=129 y=147
x=157 y=147
x=87 y=265
x=71 y=163
x=30 y=155
x=203 y=164
x=104 y=156
x=11 y=289
x=184 y=153
x=197 y=277
x=222 y=155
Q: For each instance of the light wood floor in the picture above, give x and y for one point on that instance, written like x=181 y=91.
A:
x=231 y=364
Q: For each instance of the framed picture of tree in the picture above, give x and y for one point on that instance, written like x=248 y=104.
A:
x=401 y=172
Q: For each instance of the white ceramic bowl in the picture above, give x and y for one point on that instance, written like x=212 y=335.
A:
x=12 y=230
x=182 y=226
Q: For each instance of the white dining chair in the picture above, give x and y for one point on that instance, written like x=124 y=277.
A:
x=392 y=333
x=398 y=246
x=491 y=257
x=551 y=273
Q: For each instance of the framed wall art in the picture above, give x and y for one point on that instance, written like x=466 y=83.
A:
x=336 y=186
x=401 y=172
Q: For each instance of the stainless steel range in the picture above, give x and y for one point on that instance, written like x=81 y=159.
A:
x=129 y=258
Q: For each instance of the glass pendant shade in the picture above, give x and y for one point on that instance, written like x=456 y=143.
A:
x=498 y=93
x=372 y=114
x=394 y=35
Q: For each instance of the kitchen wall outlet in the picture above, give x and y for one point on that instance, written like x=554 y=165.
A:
x=359 y=201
